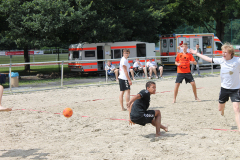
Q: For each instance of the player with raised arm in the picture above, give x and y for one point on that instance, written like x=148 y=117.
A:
x=230 y=81
x=183 y=61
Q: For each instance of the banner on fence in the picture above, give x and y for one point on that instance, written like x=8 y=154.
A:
x=18 y=53
x=2 y=53
x=38 y=52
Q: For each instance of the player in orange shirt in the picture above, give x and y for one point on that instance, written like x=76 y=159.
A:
x=183 y=61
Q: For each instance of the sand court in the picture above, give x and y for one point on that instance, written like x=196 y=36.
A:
x=98 y=129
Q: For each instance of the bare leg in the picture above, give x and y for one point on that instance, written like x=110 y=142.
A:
x=175 y=92
x=161 y=70
x=127 y=96
x=1 y=107
x=121 y=100
x=116 y=74
x=155 y=72
x=150 y=71
x=237 y=113
x=144 y=71
x=221 y=108
x=194 y=88
x=157 y=123
x=132 y=73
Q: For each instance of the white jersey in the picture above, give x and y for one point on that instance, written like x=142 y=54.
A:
x=229 y=72
x=151 y=64
x=111 y=67
x=136 y=64
x=124 y=62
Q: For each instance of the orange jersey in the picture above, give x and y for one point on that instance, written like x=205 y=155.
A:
x=184 y=60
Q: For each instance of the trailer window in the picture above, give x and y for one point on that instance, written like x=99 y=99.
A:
x=164 y=43
x=218 y=46
x=171 y=43
x=141 y=50
x=75 y=54
x=89 y=53
x=117 y=53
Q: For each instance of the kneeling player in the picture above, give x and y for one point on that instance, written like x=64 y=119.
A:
x=138 y=112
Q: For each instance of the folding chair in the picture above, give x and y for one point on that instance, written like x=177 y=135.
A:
x=138 y=73
x=111 y=75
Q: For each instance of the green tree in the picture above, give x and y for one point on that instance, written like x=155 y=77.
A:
x=119 y=21
x=201 y=12
x=37 y=23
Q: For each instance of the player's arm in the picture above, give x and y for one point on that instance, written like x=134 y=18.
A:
x=193 y=62
x=177 y=61
x=126 y=73
x=129 y=105
x=138 y=96
x=205 y=58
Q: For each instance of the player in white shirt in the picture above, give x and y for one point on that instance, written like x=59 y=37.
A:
x=111 y=69
x=230 y=81
x=124 y=78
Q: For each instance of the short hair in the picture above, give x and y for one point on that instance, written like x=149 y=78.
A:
x=137 y=58
x=109 y=61
x=149 y=83
x=185 y=44
x=126 y=50
x=197 y=44
x=227 y=46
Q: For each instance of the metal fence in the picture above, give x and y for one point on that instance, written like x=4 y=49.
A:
x=63 y=78
x=33 y=58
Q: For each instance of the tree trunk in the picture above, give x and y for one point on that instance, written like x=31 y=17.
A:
x=220 y=29
x=26 y=58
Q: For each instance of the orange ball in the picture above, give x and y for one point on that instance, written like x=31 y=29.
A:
x=67 y=112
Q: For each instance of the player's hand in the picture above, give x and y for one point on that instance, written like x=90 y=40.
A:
x=178 y=64
x=130 y=82
x=193 y=51
x=128 y=104
x=130 y=122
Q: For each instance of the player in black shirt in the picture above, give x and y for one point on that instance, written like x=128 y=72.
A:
x=138 y=112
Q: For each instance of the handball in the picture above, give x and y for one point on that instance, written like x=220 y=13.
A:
x=67 y=112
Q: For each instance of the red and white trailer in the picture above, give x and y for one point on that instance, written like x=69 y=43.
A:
x=108 y=50
x=208 y=43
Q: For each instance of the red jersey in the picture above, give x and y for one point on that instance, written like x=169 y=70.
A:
x=184 y=60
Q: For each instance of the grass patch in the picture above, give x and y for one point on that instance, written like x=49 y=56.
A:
x=46 y=69
x=33 y=58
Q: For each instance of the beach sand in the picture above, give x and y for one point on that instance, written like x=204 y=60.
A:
x=36 y=130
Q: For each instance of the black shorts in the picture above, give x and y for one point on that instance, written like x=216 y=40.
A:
x=124 y=85
x=135 y=68
x=187 y=76
x=224 y=95
x=147 y=118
